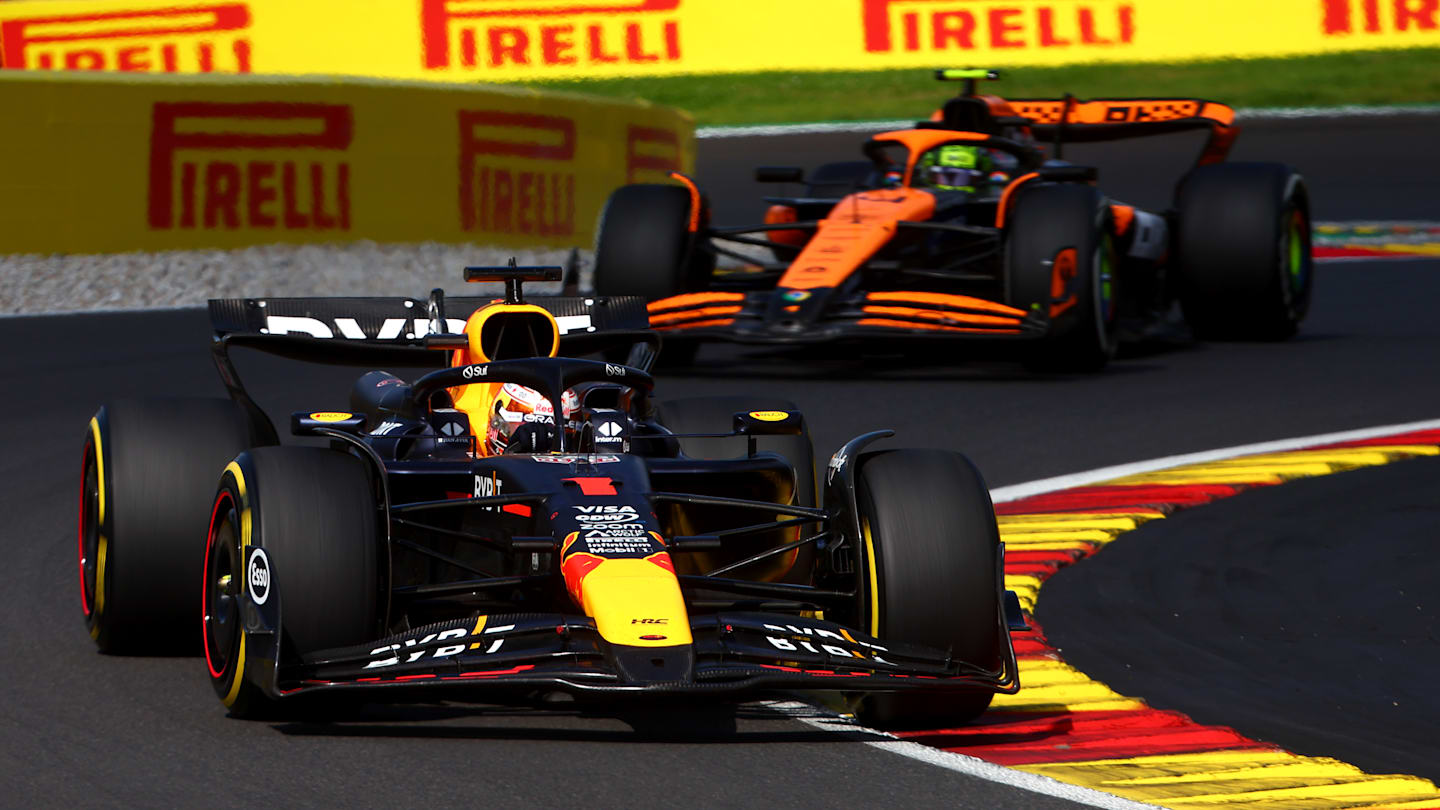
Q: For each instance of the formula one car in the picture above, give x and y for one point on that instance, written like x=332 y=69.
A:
x=518 y=523
x=963 y=228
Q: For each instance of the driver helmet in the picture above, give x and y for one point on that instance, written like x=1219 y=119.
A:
x=953 y=167
x=515 y=406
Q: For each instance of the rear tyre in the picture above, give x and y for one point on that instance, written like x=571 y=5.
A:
x=314 y=514
x=932 y=553
x=1245 y=270
x=1046 y=221
x=716 y=415
x=644 y=245
x=145 y=491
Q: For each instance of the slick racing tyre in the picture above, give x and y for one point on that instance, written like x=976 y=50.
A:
x=1244 y=262
x=146 y=482
x=1058 y=241
x=644 y=245
x=297 y=527
x=930 y=568
x=716 y=415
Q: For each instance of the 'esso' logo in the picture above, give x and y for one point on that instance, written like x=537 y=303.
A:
x=257 y=575
x=769 y=416
x=471 y=372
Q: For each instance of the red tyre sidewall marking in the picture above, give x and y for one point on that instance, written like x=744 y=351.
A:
x=223 y=498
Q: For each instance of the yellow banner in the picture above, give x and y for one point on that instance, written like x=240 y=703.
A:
x=501 y=40
x=103 y=162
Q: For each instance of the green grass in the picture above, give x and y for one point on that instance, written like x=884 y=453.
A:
x=1363 y=77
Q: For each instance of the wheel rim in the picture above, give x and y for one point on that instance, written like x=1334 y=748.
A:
x=1104 y=293
x=221 y=618
x=1294 y=268
x=89 y=530
x=1107 y=285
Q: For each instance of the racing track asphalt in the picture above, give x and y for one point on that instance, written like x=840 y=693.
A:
x=79 y=728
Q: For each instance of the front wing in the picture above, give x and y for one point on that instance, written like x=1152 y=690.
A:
x=733 y=654
x=804 y=316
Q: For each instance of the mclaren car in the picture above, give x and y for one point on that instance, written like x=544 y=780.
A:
x=972 y=226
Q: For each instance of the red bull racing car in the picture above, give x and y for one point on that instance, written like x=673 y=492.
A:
x=519 y=522
x=963 y=227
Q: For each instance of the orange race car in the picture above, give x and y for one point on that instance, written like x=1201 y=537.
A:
x=964 y=227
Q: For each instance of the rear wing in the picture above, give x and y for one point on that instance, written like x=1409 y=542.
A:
x=379 y=332
x=1072 y=120
x=335 y=329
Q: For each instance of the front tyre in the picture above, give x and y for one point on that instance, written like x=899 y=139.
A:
x=313 y=514
x=145 y=488
x=931 y=564
x=644 y=244
x=1060 y=261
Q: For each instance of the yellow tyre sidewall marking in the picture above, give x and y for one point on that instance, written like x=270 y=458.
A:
x=100 y=554
x=874 y=577
x=99 y=466
x=238 y=678
x=102 y=542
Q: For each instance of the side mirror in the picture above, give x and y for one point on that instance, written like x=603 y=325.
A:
x=304 y=423
x=769 y=423
x=779 y=174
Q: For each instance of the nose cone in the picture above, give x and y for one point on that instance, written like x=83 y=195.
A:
x=635 y=602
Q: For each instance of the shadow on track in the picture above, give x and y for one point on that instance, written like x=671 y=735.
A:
x=709 y=725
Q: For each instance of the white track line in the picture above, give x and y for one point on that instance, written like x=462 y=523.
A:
x=1399 y=257
x=1044 y=485
x=1250 y=114
x=1378 y=223
x=817 y=128
x=823 y=718
x=989 y=771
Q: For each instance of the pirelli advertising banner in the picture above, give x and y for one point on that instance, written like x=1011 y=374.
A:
x=500 y=40
x=103 y=162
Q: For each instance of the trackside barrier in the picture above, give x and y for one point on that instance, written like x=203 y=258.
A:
x=497 y=40
x=100 y=162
